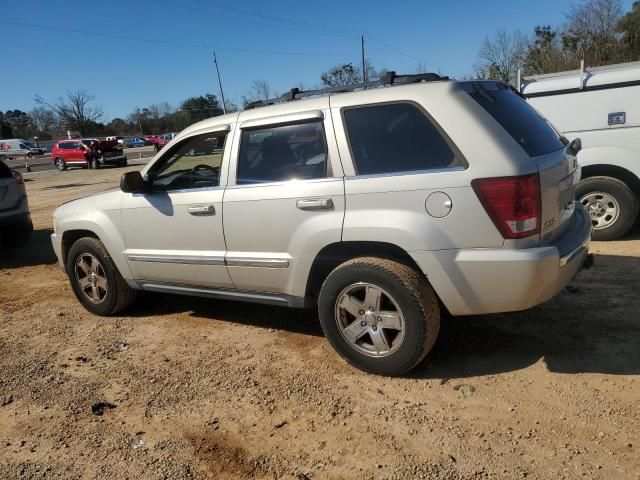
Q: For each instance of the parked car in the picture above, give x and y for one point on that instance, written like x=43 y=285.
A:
x=151 y=139
x=120 y=140
x=378 y=207
x=18 y=147
x=601 y=106
x=87 y=152
x=136 y=142
x=162 y=140
x=15 y=220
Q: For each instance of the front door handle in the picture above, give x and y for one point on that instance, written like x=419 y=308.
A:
x=202 y=210
x=315 y=204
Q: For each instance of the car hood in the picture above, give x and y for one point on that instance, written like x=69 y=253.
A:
x=104 y=200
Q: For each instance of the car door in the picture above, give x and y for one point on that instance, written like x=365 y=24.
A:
x=173 y=233
x=75 y=153
x=285 y=199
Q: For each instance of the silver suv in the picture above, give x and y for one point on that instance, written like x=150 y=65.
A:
x=381 y=207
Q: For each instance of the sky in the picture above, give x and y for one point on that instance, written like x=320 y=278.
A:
x=134 y=53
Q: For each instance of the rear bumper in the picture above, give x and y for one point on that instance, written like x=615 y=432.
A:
x=479 y=281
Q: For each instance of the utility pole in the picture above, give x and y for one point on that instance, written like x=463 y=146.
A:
x=364 y=65
x=139 y=120
x=224 y=105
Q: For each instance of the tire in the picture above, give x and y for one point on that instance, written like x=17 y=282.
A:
x=60 y=164
x=117 y=295
x=408 y=302
x=124 y=163
x=610 y=203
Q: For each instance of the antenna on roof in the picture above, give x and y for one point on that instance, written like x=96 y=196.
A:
x=224 y=105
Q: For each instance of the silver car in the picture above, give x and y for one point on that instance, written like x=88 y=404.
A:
x=379 y=207
x=15 y=220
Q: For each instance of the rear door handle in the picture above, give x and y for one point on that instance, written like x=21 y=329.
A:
x=202 y=210
x=315 y=204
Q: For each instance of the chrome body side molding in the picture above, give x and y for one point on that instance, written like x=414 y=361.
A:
x=227 y=294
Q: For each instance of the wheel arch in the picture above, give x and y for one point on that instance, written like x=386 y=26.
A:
x=72 y=236
x=613 y=171
x=337 y=253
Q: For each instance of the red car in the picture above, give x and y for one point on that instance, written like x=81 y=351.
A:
x=163 y=140
x=151 y=139
x=87 y=152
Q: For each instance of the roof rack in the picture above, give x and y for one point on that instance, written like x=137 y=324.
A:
x=388 y=79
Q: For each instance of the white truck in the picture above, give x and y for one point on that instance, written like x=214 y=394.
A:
x=601 y=106
x=18 y=147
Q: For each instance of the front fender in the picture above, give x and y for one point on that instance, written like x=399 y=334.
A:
x=106 y=226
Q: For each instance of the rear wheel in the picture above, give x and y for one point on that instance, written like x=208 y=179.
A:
x=610 y=203
x=60 y=164
x=95 y=279
x=379 y=315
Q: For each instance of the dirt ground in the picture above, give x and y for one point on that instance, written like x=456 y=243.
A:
x=188 y=388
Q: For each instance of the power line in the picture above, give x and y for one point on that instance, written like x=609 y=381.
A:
x=299 y=26
x=166 y=42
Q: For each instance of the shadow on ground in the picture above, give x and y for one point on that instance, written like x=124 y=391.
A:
x=252 y=314
x=591 y=327
x=37 y=251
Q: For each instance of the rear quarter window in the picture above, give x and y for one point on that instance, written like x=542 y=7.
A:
x=526 y=126
x=395 y=138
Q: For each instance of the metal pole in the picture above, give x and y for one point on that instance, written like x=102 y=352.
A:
x=224 y=105
x=139 y=121
x=364 y=65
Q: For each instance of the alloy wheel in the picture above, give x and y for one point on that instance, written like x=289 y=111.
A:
x=91 y=278
x=369 y=319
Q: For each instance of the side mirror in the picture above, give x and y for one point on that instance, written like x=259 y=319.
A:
x=574 y=147
x=132 y=182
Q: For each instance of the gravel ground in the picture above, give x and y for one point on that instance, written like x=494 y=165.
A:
x=194 y=389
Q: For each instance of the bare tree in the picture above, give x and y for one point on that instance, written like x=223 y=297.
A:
x=260 y=90
x=501 y=56
x=590 y=31
x=44 y=119
x=74 y=110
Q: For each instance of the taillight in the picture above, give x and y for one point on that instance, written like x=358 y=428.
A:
x=513 y=203
x=18 y=176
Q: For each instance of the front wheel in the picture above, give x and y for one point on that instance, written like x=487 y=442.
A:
x=610 y=203
x=95 y=280
x=379 y=315
x=60 y=165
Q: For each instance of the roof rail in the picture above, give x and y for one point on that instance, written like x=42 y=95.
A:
x=387 y=79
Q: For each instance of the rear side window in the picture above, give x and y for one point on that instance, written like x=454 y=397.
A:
x=280 y=153
x=393 y=138
x=516 y=116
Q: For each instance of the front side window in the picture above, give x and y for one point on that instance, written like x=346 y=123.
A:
x=396 y=138
x=281 y=153
x=192 y=163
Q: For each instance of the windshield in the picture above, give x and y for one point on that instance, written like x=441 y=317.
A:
x=526 y=126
